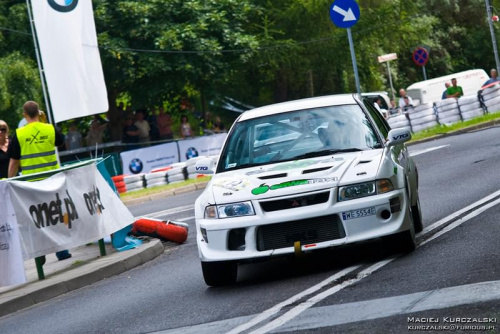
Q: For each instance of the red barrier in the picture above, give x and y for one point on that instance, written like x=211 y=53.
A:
x=160 y=229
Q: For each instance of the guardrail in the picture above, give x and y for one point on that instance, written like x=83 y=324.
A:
x=174 y=173
x=449 y=111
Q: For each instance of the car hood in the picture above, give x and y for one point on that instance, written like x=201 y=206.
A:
x=295 y=176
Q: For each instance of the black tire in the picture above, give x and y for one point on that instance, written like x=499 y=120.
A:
x=417 y=217
x=219 y=273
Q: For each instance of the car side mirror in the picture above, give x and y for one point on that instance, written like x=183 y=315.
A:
x=205 y=166
x=398 y=136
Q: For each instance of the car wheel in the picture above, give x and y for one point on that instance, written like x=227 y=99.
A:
x=219 y=273
x=417 y=216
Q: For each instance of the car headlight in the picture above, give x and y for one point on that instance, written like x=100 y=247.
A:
x=229 y=210
x=364 y=189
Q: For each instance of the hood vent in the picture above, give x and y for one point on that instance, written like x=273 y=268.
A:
x=274 y=176
x=314 y=170
x=364 y=162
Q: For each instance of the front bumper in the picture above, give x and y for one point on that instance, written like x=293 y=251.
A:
x=217 y=242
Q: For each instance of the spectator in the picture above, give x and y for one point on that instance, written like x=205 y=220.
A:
x=37 y=156
x=4 y=144
x=405 y=101
x=394 y=110
x=130 y=133
x=96 y=133
x=454 y=91
x=493 y=77
x=447 y=85
x=185 y=128
x=218 y=125
x=73 y=138
x=164 y=122
x=378 y=106
x=142 y=125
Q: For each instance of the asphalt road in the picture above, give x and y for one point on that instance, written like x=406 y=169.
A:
x=362 y=289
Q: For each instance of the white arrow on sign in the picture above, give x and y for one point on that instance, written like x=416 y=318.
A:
x=348 y=15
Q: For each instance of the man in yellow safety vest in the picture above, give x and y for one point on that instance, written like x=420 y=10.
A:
x=33 y=149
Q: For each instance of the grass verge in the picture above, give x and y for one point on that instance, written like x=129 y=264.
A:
x=161 y=189
x=442 y=129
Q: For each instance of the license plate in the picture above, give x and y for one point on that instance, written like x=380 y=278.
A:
x=358 y=213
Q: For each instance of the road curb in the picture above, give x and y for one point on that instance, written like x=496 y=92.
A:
x=457 y=132
x=79 y=277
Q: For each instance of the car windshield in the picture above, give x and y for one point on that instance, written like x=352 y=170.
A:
x=297 y=135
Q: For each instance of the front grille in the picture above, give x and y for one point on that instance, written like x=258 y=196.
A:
x=295 y=202
x=307 y=231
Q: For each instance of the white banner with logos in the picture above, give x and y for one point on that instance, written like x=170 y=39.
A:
x=202 y=146
x=70 y=55
x=144 y=160
x=67 y=210
x=11 y=260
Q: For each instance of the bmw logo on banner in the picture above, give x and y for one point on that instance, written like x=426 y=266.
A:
x=135 y=166
x=191 y=153
x=63 y=6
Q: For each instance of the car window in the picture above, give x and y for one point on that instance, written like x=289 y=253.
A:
x=297 y=135
x=377 y=118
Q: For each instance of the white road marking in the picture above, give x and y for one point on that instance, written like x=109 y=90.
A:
x=334 y=315
x=275 y=309
x=459 y=213
x=461 y=221
x=278 y=322
x=427 y=150
x=309 y=303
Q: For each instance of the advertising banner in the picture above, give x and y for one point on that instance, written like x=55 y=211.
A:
x=145 y=159
x=208 y=145
x=67 y=210
x=11 y=260
x=70 y=55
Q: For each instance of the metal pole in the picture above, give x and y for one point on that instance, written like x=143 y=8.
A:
x=492 y=31
x=42 y=74
x=390 y=81
x=40 y=66
x=425 y=73
x=353 y=56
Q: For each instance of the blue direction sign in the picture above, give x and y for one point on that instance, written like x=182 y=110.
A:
x=344 y=13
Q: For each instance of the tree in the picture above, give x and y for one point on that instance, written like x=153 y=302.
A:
x=185 y=40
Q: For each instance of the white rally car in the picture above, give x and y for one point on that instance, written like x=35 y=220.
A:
x=305 y=175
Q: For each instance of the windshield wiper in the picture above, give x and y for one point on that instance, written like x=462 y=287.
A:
x=325 y=152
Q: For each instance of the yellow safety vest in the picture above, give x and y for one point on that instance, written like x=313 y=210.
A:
x=38 y=153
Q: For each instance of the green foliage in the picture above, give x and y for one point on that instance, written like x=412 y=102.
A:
x=19 y=82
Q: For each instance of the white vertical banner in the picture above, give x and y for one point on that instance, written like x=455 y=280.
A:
x=11 y=259
x=70 y=56
x=201 y=146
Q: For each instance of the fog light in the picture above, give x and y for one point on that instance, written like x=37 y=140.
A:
x=385 y=214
